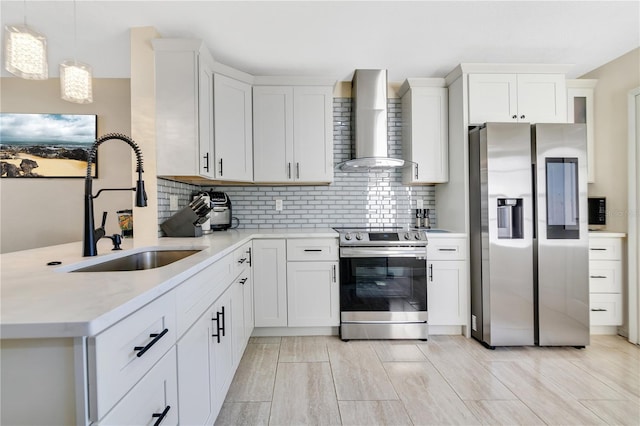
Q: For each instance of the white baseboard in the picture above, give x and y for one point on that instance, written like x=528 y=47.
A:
x=294 y=331
x=604 y=329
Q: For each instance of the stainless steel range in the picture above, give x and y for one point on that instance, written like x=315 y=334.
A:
x=383 y=283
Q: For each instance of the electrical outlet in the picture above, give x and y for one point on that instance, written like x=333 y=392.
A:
x=278 y=205
x=420 y=203
x=173 y=202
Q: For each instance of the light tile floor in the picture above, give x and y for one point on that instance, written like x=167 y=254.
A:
x=448 y=380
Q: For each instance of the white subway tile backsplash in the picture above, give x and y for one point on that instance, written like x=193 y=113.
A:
x=352 y=199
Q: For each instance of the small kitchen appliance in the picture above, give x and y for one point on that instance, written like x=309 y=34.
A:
x=597 y=213
x=220 y=216
x=383 y=283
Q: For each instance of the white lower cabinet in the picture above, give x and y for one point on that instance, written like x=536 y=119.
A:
x=153 y=400
x=447 y=281
x=222 y=348
x=296 y=282
x=195 y=372
x=313 y=294
x=270 y=282
x=605 y=280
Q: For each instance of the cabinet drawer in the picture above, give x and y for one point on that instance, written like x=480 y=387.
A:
x=311 y=249
x=197 y=293
x=242 y=258
x=122 y=354
x=446 y=249
x=606 y=309
x=605 y=248
x=154 y=395
x=605 y=276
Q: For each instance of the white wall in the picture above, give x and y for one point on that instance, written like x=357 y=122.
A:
x=615 y=80
x=42 y=212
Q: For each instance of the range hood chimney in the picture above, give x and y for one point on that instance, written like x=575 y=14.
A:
x=369 y=93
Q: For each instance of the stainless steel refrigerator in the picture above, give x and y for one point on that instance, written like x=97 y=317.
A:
x=528 y=223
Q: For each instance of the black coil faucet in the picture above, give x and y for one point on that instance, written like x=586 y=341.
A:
x=91 y=235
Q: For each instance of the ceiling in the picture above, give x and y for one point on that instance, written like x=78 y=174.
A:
x=332 y=38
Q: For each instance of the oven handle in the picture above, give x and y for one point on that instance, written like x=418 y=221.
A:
x=413 y=252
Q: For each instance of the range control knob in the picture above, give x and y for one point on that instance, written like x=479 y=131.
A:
x=407 y=236
x=358 y=236
x=417 y=236
x=347 y=236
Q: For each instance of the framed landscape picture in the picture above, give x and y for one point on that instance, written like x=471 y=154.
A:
x=47 y=145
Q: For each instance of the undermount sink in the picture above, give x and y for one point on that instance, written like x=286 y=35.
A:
x=149 y=259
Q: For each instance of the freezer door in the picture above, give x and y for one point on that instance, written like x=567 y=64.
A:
x=502 y=234
x=562 y=234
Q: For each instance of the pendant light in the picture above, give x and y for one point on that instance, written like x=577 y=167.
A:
x=25 y=51
x=76 y=77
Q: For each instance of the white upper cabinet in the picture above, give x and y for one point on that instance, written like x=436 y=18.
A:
x=425 y=131
x=580 y=109
x=530 y=98
x=232 y=124
x=184 y=108
x=293 y=133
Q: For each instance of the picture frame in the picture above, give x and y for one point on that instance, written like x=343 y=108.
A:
x=47 y=145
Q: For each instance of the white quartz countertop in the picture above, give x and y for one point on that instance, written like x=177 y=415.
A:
x=606 y=234
x=40 y=301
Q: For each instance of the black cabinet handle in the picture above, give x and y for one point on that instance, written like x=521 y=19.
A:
x=312 y=249
x=217 y=333
x=221 y=167
x=206 y=164
x=335 y=275
x=156 y=337
x=244 y=280
x=598 y=276
x=160 y=416
x=431 y=272
x=249 y=251
x=244 y=259
x=598 y=310
x=288 y=170
x=598 y=249
x=417 y=171
x=522 y=117
x=297 y=170
x=447 y=249
x=514 y=116
x=223 y=327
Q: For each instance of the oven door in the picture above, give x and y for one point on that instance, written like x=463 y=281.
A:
x=383 y=280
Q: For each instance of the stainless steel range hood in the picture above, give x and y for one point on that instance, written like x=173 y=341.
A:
x=369 y=93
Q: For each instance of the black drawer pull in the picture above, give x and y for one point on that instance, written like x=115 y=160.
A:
x=447 y=249
x=598 y=310
x=249 y=253
x=244 y=259
x=244 y=280
x=217 y=320
x=431 y=272
x=312 y=249
x=223 y=327
x=598 y=249
x=160 y=416
x=156 y=337
x=598 y=276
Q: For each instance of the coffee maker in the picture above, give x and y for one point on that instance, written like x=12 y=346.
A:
x=220 y=215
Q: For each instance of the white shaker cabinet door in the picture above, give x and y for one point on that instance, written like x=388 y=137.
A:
x=493 y=98
x=195 y=372
x=542 y=98
x=446 y=280
x=273 y=133
x=233 y=138
x=313 y=294
x=270 y=282
x=313 y=134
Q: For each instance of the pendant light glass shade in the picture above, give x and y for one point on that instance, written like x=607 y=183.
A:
x=26 y=53
x=76 y=82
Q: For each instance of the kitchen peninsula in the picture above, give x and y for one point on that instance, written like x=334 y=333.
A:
x=108 y=347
